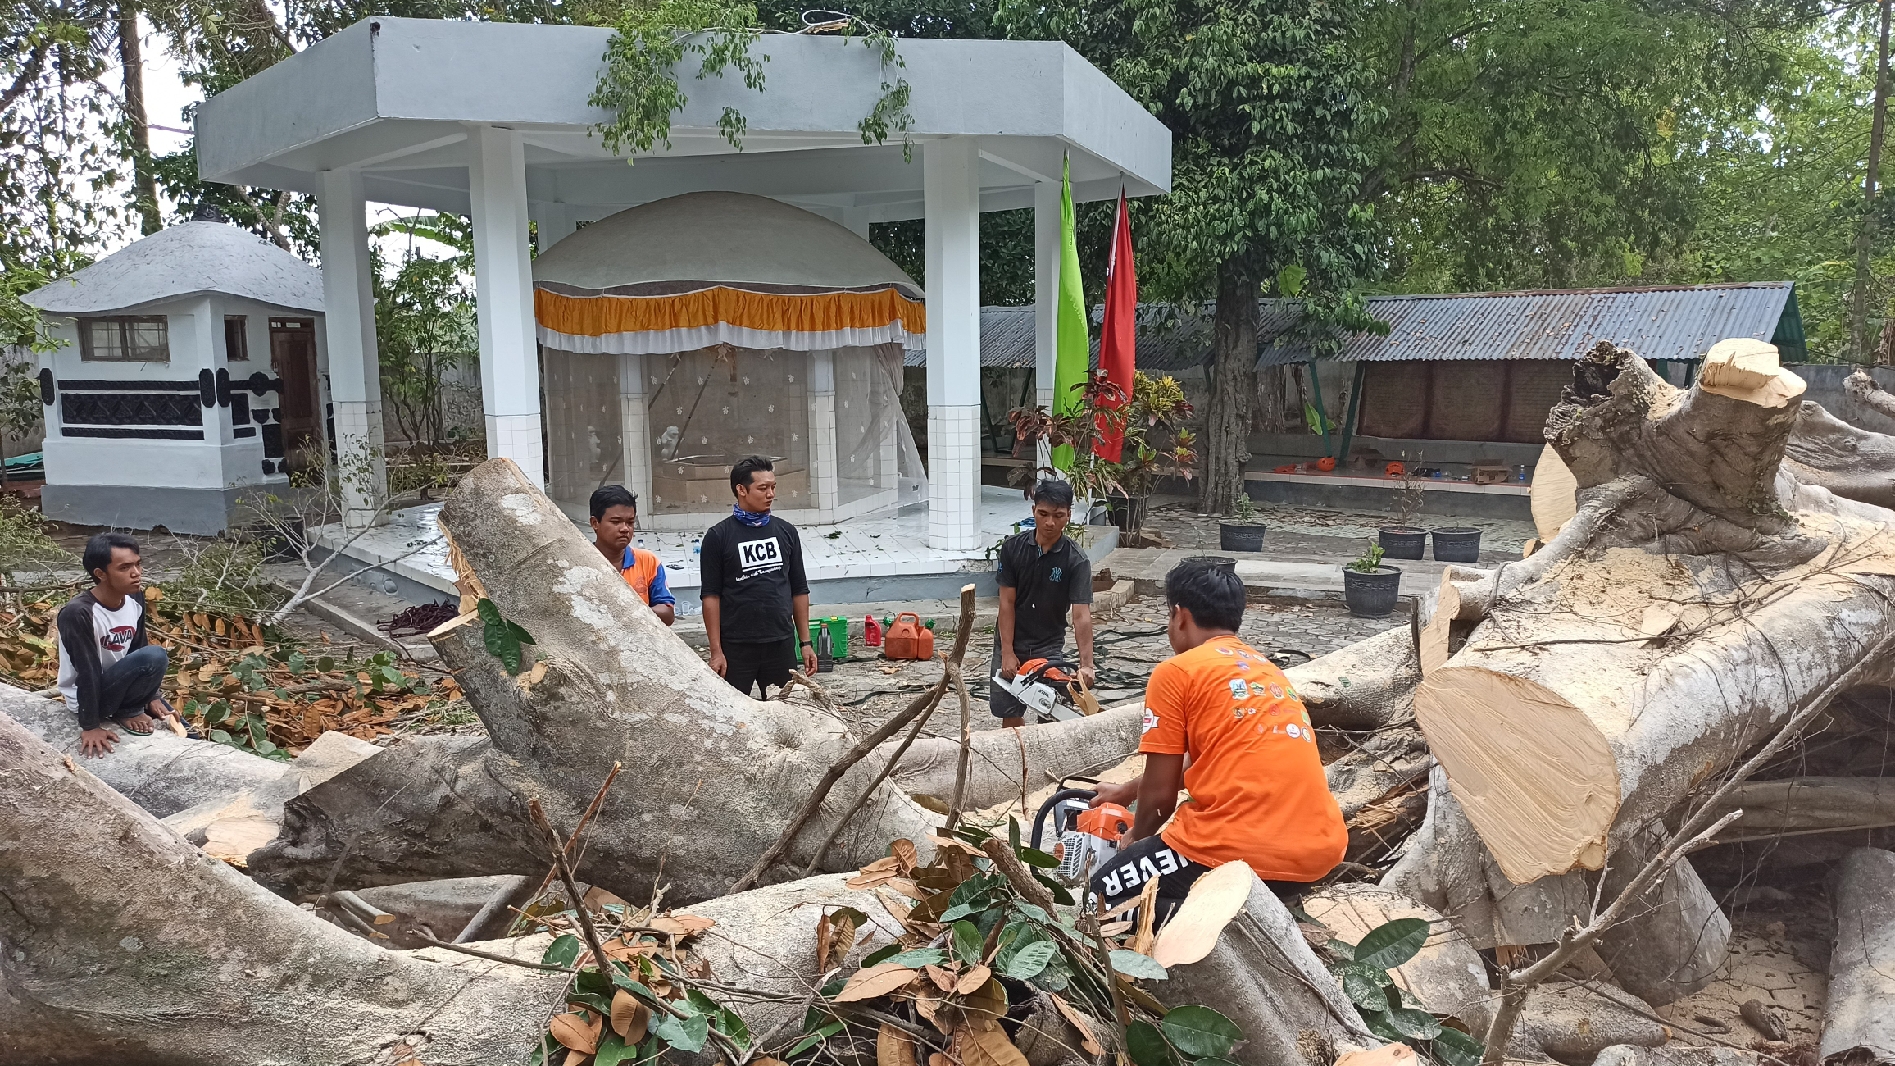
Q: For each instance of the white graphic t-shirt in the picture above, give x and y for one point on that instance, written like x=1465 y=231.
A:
x=112 y=633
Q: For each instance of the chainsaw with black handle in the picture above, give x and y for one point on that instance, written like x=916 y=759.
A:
x=1051 y=689
x=1085 y=837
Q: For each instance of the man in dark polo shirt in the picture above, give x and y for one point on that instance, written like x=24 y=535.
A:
x=1043 y=576
x=752 y=586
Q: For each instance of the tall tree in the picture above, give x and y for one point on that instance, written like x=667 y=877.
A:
x=1270 y=123
x=1865 y=238
x=137 y=122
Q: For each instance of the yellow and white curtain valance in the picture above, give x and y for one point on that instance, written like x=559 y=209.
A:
x=628 y=322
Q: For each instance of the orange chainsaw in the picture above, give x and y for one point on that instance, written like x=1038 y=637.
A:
x=1051 y=689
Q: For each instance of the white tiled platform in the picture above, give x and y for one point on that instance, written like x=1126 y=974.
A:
x=889 y=545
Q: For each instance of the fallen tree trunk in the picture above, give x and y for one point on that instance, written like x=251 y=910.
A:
x=1858 y=1025
x=1676 y=939
x=1367 y=685
x=713 y=775
x=125 y=944
x=1800 y=805
x=1850 y=462
x=163 y=773
x=1863 y=389
x=1696 y=600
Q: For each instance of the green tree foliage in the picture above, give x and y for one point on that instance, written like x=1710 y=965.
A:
x=1270 y=123
x=424 y=323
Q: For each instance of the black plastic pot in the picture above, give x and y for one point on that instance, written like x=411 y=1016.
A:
x=1240 y=536
x=1221 y=562
x=1404 y=542
x=1458 y=545
x=1372 y=594
x=1126 y=512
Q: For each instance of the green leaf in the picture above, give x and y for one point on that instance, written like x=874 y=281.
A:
x=220 y=736
x=1455 y=1048
x=1013 y=833
x=562 y=951
x=727 y=1022
x=502 y=638
x=1414 y=1024
x=612 y=1050
x=326 y=663
x=1137 y=965
x=880 y=955
x=1388 y=946
x=1363 y=991
x=1377 y=1021
x=1146 y=1045
x=216 y=713
x=264 y=747
x=592 y=1000
x=919 y=957
x=1036 y=857
x=966 y=942
x=1199 y=1031
x=1027 y=960
x=594 y=983
x=685 y=1034
x=821 y=1034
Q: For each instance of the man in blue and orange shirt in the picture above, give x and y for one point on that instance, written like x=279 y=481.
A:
x=614 y=517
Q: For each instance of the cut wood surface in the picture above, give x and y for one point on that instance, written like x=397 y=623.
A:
x=1551 y=497
x=1697 y=598
x=1859 y=1024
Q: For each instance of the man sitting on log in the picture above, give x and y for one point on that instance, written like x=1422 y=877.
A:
x=614 y=519
x=755 y=594
x=109 y=671
x=1222 y=722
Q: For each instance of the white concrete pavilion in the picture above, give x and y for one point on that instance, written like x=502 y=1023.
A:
x=491 y=120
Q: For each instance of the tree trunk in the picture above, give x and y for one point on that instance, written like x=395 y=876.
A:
x=1862 y=387
x=132 y=64
x=711 y=779
x=1676 y=939
x=1858 y=1027
x=1865 y=234
x=1800 y=805
x=1233 y=376
x=1853 y=463
x=1695 y=601
x=125 y=944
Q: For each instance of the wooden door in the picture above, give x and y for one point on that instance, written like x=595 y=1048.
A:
x=293 y=360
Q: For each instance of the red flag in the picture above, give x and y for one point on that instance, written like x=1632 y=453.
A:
x=1118 y=338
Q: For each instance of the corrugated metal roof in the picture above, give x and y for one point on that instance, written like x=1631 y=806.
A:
x=1677 y=322
x=1667 y=322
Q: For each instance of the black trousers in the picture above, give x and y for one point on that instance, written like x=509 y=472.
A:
x=1001 y=702
x=759 y=665
x=1151 y=859
x=128 y=686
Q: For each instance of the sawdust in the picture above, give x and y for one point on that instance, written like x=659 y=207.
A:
x=1617 y=588
x=1778 y=956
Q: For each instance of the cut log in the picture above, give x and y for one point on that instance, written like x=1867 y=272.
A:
x=1263 y=976
x=1697 y=599
x=1367 y=685
x=1858 y=1026
x=1551 y=496
x=711 y=777
x=1675 y=940
x=1084 y=746
x=1863 y=389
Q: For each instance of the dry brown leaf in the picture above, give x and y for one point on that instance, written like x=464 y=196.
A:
x=984 y=1007
x=1213 y=901
x=1386 y=1055
x=907 y=888
x=876 y=981
x=973 y=980
x=894 y=1047
x=679 y=924
x=579 y=1032
x=835 y=935
x=1089 y=1043
x=886 y=862
x=766 y=1060
x=897 y=909
x=935 y=1058
x=576 y=1058
x=630 y=1018
x=986 y=1047
x=928 y=1005
x=870 y=880
x=942 y=979
x=905 y=856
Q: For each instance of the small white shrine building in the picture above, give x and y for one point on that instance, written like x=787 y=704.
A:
x=188 y=370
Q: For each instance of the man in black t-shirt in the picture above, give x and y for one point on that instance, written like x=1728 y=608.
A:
x=1043 y=576
x=755 y=596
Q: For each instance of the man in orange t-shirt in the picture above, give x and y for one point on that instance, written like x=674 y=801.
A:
x=1223 y=722
x=614 y=520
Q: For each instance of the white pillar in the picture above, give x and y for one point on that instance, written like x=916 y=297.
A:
x=355 y=383
x=635 y=431
x=823 y=460
x=951 y=199
x=554 y=223
x=1045 y=301
x=503 y=287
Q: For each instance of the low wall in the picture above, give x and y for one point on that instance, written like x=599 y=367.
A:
x=1825 y=387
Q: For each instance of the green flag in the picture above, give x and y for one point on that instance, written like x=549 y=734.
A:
x=1070 y=344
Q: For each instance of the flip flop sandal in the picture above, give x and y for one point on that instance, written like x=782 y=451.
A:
x=135 y=730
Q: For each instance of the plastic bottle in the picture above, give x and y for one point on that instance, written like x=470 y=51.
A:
x=871 y=631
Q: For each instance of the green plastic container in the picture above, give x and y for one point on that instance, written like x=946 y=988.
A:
x=838 y=628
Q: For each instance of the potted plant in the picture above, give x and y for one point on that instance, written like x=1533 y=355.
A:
x=1368 y=587
x=1153 y=442
x=1243 y=530
x=1402 y=539
x=1457 y=544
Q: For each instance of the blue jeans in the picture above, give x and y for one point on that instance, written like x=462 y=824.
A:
x=130 y=684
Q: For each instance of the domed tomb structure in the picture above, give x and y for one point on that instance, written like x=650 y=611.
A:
x=687 y=333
